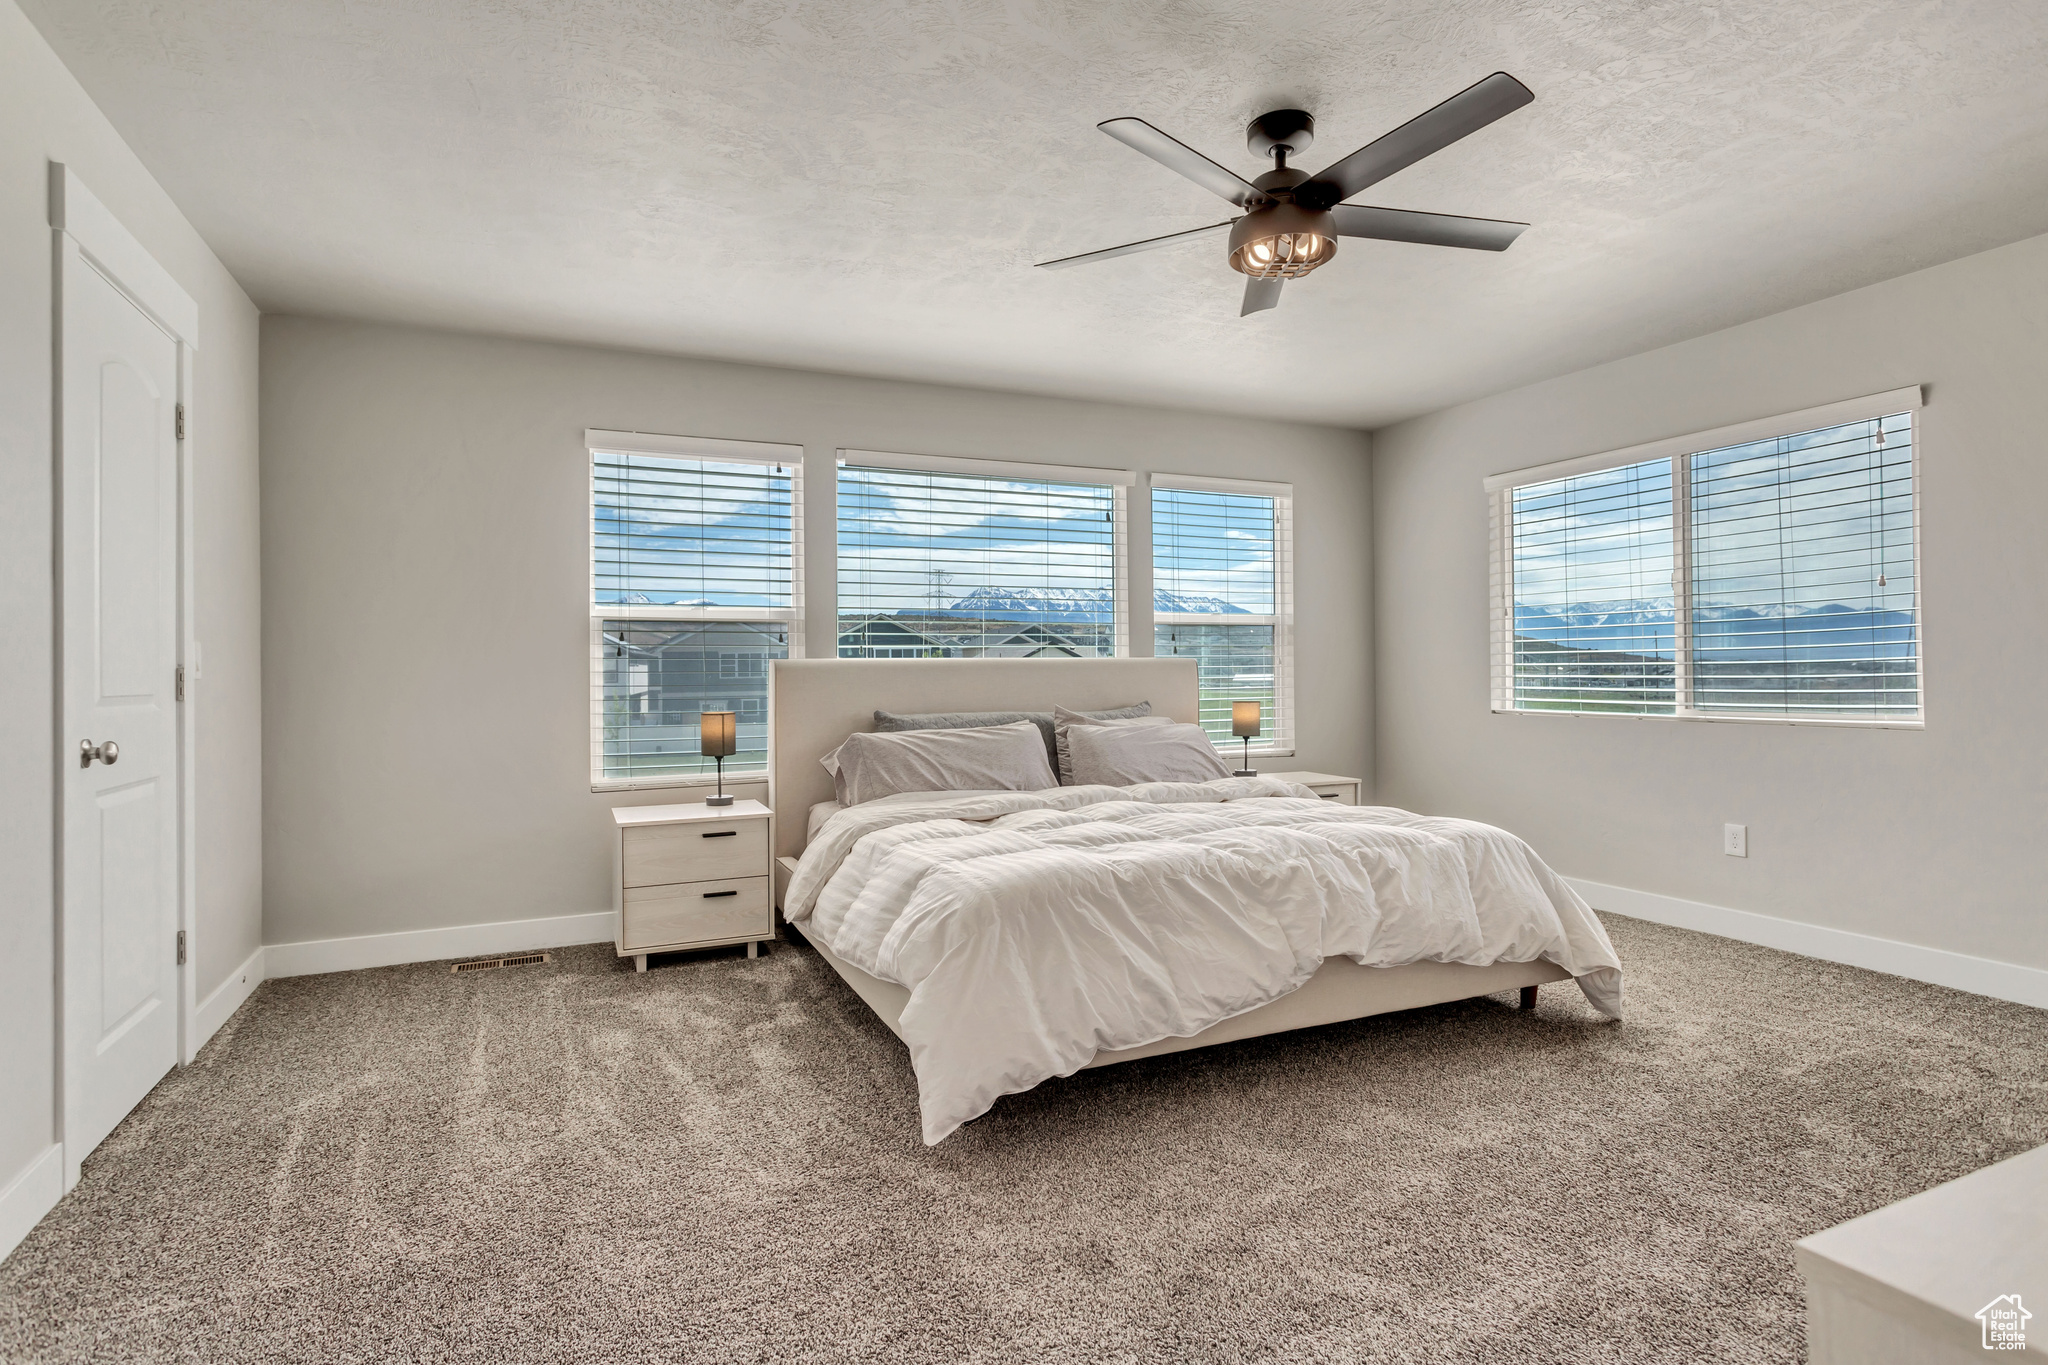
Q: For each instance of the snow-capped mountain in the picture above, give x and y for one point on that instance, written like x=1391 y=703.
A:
x=1645 y=626
x=1034 y=604
x=998 y=604
x=639 y=597
x=1069 y=604
x=1162 y=600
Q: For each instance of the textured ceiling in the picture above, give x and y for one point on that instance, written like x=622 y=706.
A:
x=863 y=187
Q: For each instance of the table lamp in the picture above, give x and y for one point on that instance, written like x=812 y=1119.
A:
x=718 y=737
x=1244 y=723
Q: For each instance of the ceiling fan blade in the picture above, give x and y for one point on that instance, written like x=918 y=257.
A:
x=1463 y=113
x=1176 y=155
x=1259 y=295
x=1430 y=229
x=1127 y=248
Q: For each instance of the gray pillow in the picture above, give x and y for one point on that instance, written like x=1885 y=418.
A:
x=868 y=767
x=1119 y=755
x=888 y=722
x=1062 y=718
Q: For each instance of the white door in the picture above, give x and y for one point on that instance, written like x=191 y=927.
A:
x=118 y=750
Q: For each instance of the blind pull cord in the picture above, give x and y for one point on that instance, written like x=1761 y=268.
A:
x=1880 y=513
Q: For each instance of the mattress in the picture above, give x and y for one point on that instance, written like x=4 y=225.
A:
x=820 y=813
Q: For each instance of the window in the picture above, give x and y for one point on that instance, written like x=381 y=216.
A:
x=1594 y=619
x=1221 y=594
x=953 y=558
x=1766 y=571
x=695 y=586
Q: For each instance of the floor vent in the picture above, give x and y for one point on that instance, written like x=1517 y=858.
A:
x=493 y=963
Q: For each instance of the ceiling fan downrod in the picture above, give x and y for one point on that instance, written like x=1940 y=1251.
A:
x=1279 y=238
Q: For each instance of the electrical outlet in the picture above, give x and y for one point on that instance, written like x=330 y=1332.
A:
x=1735 y=840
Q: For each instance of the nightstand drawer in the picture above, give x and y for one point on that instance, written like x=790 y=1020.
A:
x=694 y=912
x=1337 y=788
x=699 y=851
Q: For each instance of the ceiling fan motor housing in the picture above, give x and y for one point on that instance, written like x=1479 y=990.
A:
x=1282 y=241
x=1291 y=129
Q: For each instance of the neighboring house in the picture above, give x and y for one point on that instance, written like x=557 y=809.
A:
x=1030 y=642
x=950 y=635
x=666 y=672
x=885 y=637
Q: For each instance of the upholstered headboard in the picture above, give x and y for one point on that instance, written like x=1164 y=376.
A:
x=814 y=704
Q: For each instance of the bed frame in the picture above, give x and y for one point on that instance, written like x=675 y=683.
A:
x=816 y=703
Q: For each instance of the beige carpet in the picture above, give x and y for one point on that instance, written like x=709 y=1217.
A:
x=718 y=1161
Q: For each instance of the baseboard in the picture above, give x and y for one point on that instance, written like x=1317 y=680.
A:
x=29 y=1196
x=1937 y=966
x=432 y=945
x=227 y=997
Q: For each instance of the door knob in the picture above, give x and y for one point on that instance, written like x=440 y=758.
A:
x=106 y=751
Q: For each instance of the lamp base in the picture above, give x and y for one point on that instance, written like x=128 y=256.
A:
x=718 y=800
x=1244 y=772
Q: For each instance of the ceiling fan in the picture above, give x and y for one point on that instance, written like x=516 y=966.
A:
x=1292 y=219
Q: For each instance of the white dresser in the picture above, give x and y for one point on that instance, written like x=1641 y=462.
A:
x=691 y=876
x=1959 y=1273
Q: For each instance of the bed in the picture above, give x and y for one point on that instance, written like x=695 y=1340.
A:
x=1007 y=937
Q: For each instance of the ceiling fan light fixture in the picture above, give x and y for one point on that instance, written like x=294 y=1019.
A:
x=1288 y=256
x=1282 y=242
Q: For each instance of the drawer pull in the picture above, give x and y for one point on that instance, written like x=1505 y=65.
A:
x=714 y=895
x=1328 y=796
x=724 y=834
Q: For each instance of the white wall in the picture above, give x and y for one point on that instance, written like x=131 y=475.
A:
x=425 y=577
x=1937 y=837
x=45 y=116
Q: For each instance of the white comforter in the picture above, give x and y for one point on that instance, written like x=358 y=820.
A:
x=1035 y=929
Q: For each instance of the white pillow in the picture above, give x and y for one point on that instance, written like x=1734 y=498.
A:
x=868 y=767
x=1120 y=755
x=1062 y=718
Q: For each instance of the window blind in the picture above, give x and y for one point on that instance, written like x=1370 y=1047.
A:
x=938 y=564
x=694 y=589
x=702 y=533
x=1802 y=574
x=1773 y=577
x=1593 y=622
x=1212 y=552
x=1219 y=596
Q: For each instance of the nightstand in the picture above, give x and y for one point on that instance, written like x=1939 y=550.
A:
x=691 y=876
x=1329 y=786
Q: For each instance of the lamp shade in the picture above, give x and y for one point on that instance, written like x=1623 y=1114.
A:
x=1244 y=719
x=719 y=735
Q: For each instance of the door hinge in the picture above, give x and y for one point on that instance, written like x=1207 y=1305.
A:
x=181 y=421
x=181 y=947
x=181 y=682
